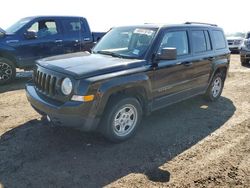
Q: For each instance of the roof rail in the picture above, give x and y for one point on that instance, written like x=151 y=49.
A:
x=201 y=23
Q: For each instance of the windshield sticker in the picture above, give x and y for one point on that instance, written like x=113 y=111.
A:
x=136 y=52
x=144 y=32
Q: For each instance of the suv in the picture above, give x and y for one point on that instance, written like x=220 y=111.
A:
x=235 y=41
x=132 y=71
x=245 y=50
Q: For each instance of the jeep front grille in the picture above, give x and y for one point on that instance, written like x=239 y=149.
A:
x=46 y=83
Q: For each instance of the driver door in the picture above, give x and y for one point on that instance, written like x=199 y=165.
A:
x=47 y=42
x=171 y=77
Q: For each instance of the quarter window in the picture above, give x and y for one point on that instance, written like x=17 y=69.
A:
x=219 y=40
x=175 y=39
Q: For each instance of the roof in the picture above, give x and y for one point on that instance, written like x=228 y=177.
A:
x=49 y=17
x=187 y=25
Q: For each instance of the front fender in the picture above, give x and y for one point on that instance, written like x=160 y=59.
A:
x=7 y=52
x=115 y=85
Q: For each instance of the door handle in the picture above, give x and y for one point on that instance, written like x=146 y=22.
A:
x=187 y=63
x=211 y=58
x=86 y=39
x=58 y=41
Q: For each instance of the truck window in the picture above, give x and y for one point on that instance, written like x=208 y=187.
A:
x=201 y=41
x=219 y=39
x=73 y=25
x=44 y=28
x=175 y=39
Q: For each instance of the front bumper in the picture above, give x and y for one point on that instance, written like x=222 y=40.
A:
x=73 y=114
x=234 y=49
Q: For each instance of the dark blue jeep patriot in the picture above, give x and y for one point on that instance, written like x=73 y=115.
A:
x=132 y=71
x=37 y=37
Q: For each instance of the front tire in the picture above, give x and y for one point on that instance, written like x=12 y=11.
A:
x=215 y=88
x=7 y=71
x=122 y=118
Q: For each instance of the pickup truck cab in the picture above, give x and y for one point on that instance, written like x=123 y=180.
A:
x=37 y=37
x=131 y=72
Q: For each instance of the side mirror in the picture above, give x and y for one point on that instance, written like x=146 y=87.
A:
x=30 y=35
x=167 y=54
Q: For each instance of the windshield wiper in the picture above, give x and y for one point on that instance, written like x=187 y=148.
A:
x=109 y=53
x=115 y=54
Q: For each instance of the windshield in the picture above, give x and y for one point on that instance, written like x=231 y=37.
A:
x=132 y=42
x=18 y=25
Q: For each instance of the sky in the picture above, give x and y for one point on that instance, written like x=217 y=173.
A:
x=232 y=16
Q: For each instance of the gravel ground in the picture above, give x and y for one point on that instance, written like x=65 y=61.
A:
x=189 y=144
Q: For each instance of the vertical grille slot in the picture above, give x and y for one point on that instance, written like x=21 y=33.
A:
x=43 y=82
x=40 y=80
x=52 y=86
x=47 y=82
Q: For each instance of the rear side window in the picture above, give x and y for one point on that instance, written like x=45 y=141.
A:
x=219 y=40
x=73 y=25
x=199 y=41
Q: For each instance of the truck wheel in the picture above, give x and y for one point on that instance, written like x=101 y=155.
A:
x=243 y=61
x=7 y=71
x=122 y=118
x=215 y=88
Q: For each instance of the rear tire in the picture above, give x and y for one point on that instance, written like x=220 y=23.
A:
x=243 y=61
x=122 y=118
x=7 y=71
x=215 y=88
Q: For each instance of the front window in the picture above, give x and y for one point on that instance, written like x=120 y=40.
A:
x=132 y=42
x=44 y=28
x=18 y=25
x=175 y=39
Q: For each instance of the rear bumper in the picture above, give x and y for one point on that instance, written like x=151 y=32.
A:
x=73 y=114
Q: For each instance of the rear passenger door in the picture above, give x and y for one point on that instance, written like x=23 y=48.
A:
x=76 y=36
x=203 y=56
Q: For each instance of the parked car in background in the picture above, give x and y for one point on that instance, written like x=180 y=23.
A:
x=235 y=41
x=33 y=38
x=245 y=50
x=132 y=71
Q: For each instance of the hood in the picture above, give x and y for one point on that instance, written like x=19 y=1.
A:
x=234 y=38
x=84 y=65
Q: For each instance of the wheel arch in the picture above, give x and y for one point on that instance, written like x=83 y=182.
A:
x=138 y=88
x=9 y=57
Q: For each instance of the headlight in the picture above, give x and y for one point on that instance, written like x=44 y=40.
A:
x=238 y=42
x=67 y=86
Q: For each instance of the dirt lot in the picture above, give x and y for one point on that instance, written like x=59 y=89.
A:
x=189 y=144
